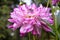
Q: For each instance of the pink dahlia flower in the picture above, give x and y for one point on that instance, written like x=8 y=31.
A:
x=28 y=19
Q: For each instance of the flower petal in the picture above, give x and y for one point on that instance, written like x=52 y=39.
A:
x=11 y=20
x=46 y=27
x=26 y=28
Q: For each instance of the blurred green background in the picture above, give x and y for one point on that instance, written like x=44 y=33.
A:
x=6 y=7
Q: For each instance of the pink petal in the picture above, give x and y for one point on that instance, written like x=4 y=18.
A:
x=46 y=28
x=10 y=26
x=26 y=28
x=33 y=6
x=11 y=20
x=34 y=32
x=14 y=26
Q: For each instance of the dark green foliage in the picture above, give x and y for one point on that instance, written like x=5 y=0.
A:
x=5 y=9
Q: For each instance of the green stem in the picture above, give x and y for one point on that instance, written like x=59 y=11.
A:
x=36 y=38
x=57 y=33
x=33 y=37
x=48 y=36
x=42 y=37
x=48 y=3
x=55 y=23
x=29 y=36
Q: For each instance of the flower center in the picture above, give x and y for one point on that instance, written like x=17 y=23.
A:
x=29 y=16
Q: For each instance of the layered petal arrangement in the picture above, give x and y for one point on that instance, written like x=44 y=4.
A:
x=28 y=19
